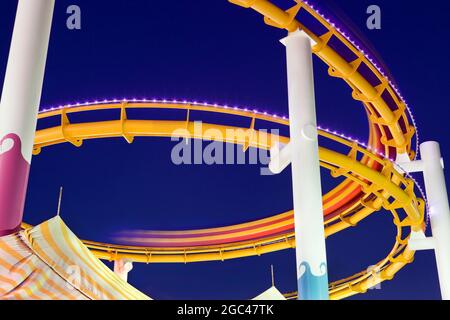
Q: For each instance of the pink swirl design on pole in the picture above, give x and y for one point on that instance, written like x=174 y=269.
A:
x=14 y=171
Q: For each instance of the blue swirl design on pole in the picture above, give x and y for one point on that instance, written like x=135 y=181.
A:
x=313 y=287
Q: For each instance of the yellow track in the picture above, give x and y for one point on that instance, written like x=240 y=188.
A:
x=373 y=97
x=383 y=188
x=386 y=188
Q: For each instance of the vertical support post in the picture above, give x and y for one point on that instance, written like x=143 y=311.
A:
x=19 y=106
x=122 y=268
x=439 y=211
x=307 y=191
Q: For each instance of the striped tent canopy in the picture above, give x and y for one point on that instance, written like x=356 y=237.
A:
x=49 y=262
x=270 y=294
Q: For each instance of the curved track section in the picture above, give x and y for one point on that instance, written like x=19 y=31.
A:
x=380 y=184
x=371 y=181
x=346 y=60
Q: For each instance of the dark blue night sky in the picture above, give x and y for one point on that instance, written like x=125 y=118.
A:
x=210 y=50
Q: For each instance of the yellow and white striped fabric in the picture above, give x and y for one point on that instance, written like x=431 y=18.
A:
x=270 y=294
x=50 y=262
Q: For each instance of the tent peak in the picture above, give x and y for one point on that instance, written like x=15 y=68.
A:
x=58 y=211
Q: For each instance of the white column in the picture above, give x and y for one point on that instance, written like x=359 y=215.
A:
x=19 y=106
x=439 y=211
x=122 y=268
x=307 y=192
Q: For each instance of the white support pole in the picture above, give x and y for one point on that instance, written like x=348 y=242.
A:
x=307 y=191
x=122 y=268
x=19 y=106
x=439 y=211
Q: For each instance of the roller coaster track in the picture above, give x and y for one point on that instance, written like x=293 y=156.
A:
x=386 y=107
x=371 y=183
x=381 y=185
